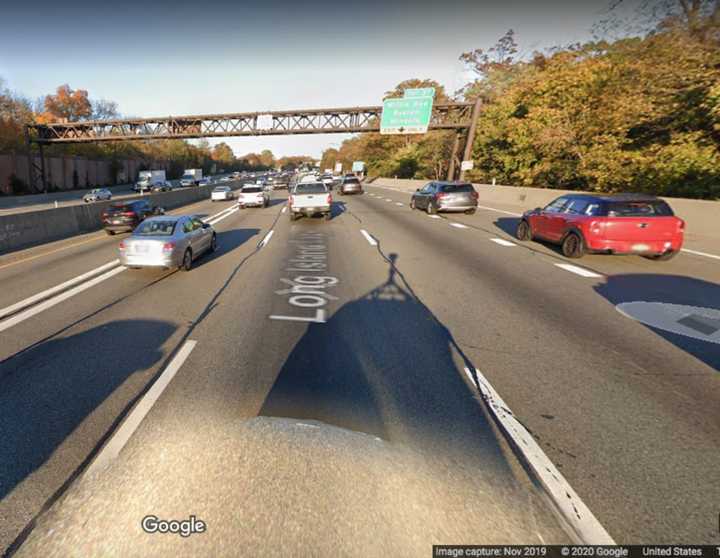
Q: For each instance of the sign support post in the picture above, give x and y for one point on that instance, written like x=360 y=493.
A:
x=471 y=134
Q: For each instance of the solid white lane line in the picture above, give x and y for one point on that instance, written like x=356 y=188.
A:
x=713 y=256
x=214 y=221
x=503 y=242
x=388 y=200
x=369 y=238
x=500 y=210
x=434 y=216
x=577 y=270
x=120 y=437
x=398 y=203
x=567 y=500
x=56 y=289
x=265 y=240
x=219 y=213
x=22 y=316
x=458 y=225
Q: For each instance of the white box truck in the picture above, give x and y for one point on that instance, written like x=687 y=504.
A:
x=148 y=179
x=191 y=177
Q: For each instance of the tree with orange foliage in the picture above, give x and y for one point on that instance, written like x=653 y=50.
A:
x=67 y=105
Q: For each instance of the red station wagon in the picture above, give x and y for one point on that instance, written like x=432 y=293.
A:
x=617 y=224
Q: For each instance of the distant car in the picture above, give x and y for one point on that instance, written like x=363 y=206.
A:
x=253 y=195
x=125 y=216
x=168 y=241
x=350 y=185
x=225 y=179
x=222 y=193
x=328 y=180
x=310 y=198
x=445 y=196
x=98 y=194
x=162 y=187
x=616 y=224
x=205 y=182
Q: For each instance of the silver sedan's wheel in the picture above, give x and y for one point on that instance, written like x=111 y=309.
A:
x=187 y=261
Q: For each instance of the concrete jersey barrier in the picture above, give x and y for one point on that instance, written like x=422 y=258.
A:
x=23 y=230
x=702 y=217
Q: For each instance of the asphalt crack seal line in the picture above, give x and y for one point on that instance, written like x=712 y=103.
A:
x=571 y=507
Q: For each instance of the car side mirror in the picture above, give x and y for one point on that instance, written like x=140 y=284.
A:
x=417 y=189
x=538 y=209
x=206 y=225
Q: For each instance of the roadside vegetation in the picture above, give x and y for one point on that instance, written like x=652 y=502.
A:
x=73 y=105
x=639 y=113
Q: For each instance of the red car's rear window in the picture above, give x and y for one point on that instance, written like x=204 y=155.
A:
x=654 y=208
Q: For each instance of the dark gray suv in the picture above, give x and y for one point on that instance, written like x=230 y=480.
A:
x=445 y=196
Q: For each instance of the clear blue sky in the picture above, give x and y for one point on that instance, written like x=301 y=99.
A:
x=158 y=58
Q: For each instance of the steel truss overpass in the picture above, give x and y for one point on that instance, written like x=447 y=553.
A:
x=460 y=117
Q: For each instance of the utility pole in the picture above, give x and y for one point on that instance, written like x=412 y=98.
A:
x=471 y=135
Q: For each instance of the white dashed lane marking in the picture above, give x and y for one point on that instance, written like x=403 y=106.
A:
x=503 y=242
x=567 y=500
x=368 y=237
x=578 y=270
x=458 y=225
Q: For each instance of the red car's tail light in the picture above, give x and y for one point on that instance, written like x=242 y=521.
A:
x=290 y=201
x=127 y=214
x=168 y=247
x=122 y=245
x=329 y=200
x=681 y=225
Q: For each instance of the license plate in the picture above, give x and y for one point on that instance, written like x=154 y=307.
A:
x=140 y=249
x=640 y=247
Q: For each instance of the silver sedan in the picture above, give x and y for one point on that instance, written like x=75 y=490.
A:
x=168 y=241
x=97 y=194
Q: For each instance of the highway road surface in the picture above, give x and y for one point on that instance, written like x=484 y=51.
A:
x=322 y=387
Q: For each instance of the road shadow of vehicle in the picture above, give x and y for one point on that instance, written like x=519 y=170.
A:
x=277 y=201
x=672 y=290
x=49 y=391
x=385 y=365
x=227 y=241
x=507 y=224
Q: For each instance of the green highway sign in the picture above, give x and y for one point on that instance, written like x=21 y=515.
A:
x=421 y=92
x=406 y=116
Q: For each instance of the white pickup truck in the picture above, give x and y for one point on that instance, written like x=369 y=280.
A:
x=310 y=198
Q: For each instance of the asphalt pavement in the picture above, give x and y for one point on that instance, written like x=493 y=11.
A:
x=323 y=400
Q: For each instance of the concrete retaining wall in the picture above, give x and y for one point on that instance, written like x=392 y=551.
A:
x=61 y=172
x=23 y=230
x=702 y=217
